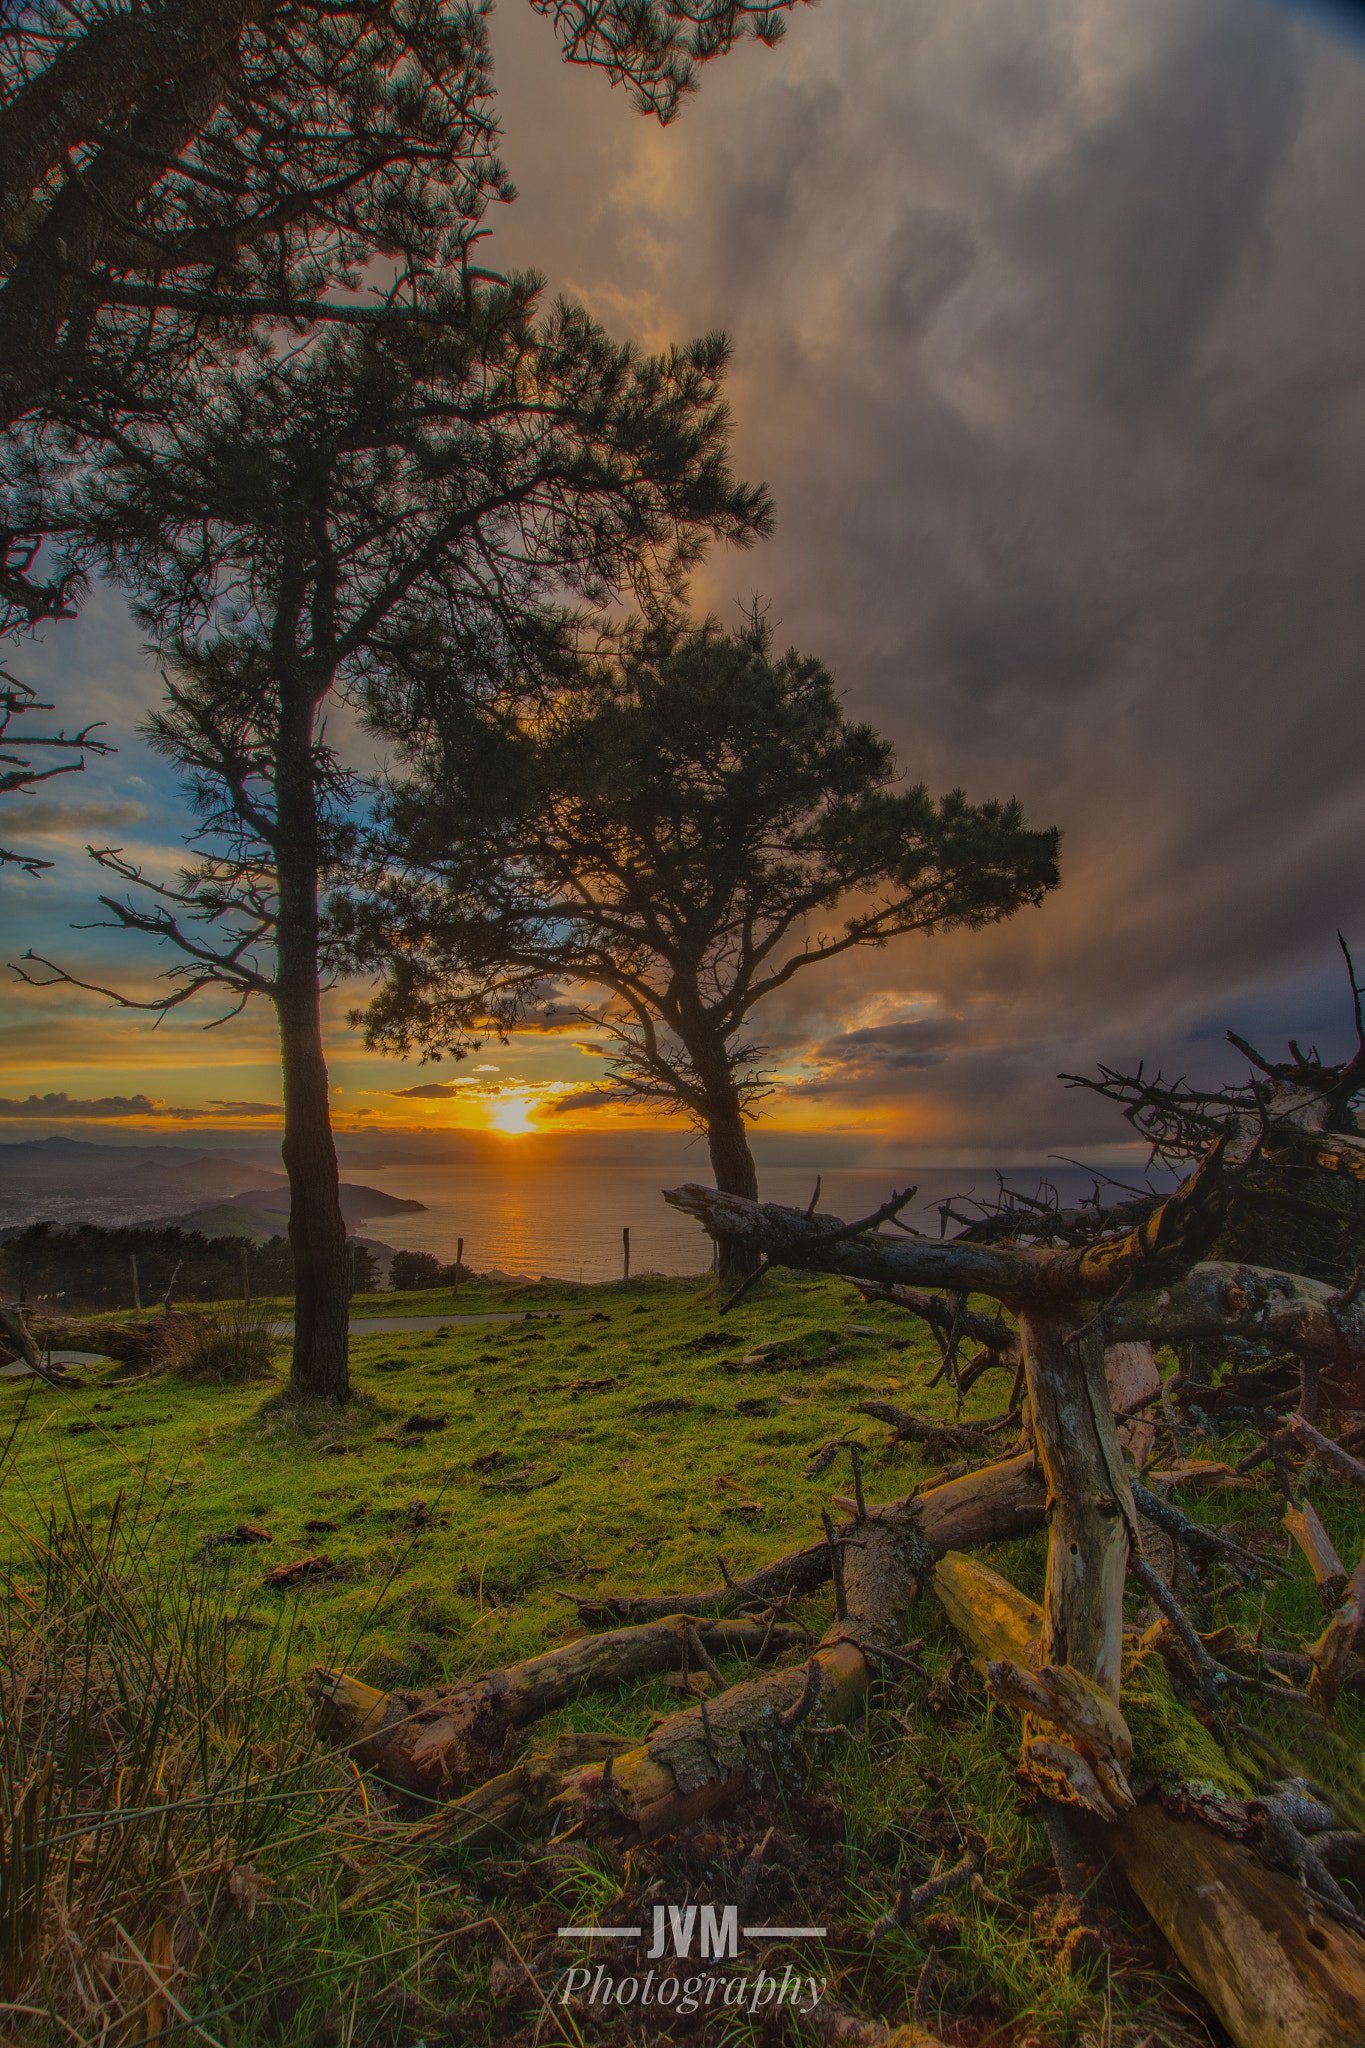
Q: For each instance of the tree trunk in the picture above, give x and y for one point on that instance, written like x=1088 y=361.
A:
x=1090 y=1505
x=317 y=1229
x=733 y=1165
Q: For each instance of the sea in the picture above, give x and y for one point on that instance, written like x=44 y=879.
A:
x=564 y=1220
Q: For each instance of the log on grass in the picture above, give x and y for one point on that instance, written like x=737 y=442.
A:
x=1276 y=1974
x=993 y=1505
x=152 y=1341
x=501 y=1808
x=1305 y=1526
x=787 y=1578
x=754 y=1732
x=429 y=1744
x=940 y=1439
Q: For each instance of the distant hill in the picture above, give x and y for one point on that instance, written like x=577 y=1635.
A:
x=262 y=1212
x=73 y=1180
x=356 y=1201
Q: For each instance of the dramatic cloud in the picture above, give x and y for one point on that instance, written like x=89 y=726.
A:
x=1049 y=326
x=1050 y=339
x=886 y=1048
x=71 y=821
x=574 y=1100
x=64 y=1107
x=430 y=1091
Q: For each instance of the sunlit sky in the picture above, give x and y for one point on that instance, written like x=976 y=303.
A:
x=1049 y=320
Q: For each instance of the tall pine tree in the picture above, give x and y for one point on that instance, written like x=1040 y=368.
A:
x=390 y=521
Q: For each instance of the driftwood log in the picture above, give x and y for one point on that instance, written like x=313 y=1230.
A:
x=696 y=1759
x=431 y=1744
x=1150 y=1285
x=756 y=1730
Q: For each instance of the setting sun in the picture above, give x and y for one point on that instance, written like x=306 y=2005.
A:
x=510 y=1117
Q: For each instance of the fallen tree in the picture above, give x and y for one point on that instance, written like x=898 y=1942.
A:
x=1061 y=1664
x=429 y=1744
x=1242 y=1879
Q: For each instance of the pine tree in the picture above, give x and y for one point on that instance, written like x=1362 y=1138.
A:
x=175 y=172
x=390 y=521
x=677 y=830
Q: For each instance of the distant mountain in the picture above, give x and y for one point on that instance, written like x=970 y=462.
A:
x=263 y=1212
x=357 y=1201
x=72 y=1180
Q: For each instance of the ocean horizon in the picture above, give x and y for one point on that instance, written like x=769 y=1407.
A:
x=564 y=1220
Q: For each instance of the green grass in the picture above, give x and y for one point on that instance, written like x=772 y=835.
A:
x=632 y=1503
x=638 y=1499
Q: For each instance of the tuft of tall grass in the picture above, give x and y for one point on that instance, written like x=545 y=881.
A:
x=155 y=1767
x=233 y=1346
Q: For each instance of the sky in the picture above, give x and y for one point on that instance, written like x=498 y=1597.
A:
x=1049 y=341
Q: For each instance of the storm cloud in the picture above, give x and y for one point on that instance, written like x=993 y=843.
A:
x=1049 y=328
x=1050 y=340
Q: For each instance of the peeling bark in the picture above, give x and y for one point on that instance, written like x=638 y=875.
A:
x=1277 y=1975
x=1090 y=1504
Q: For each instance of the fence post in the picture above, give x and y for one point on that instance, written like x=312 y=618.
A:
x=625 y=1253
x=137 y=1291
x=246 y=1277
x=459 y=1255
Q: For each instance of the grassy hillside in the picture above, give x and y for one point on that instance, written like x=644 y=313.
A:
x=622 y=1445
x=647 y=1500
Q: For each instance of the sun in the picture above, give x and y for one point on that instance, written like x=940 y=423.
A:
x=509 y=1116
